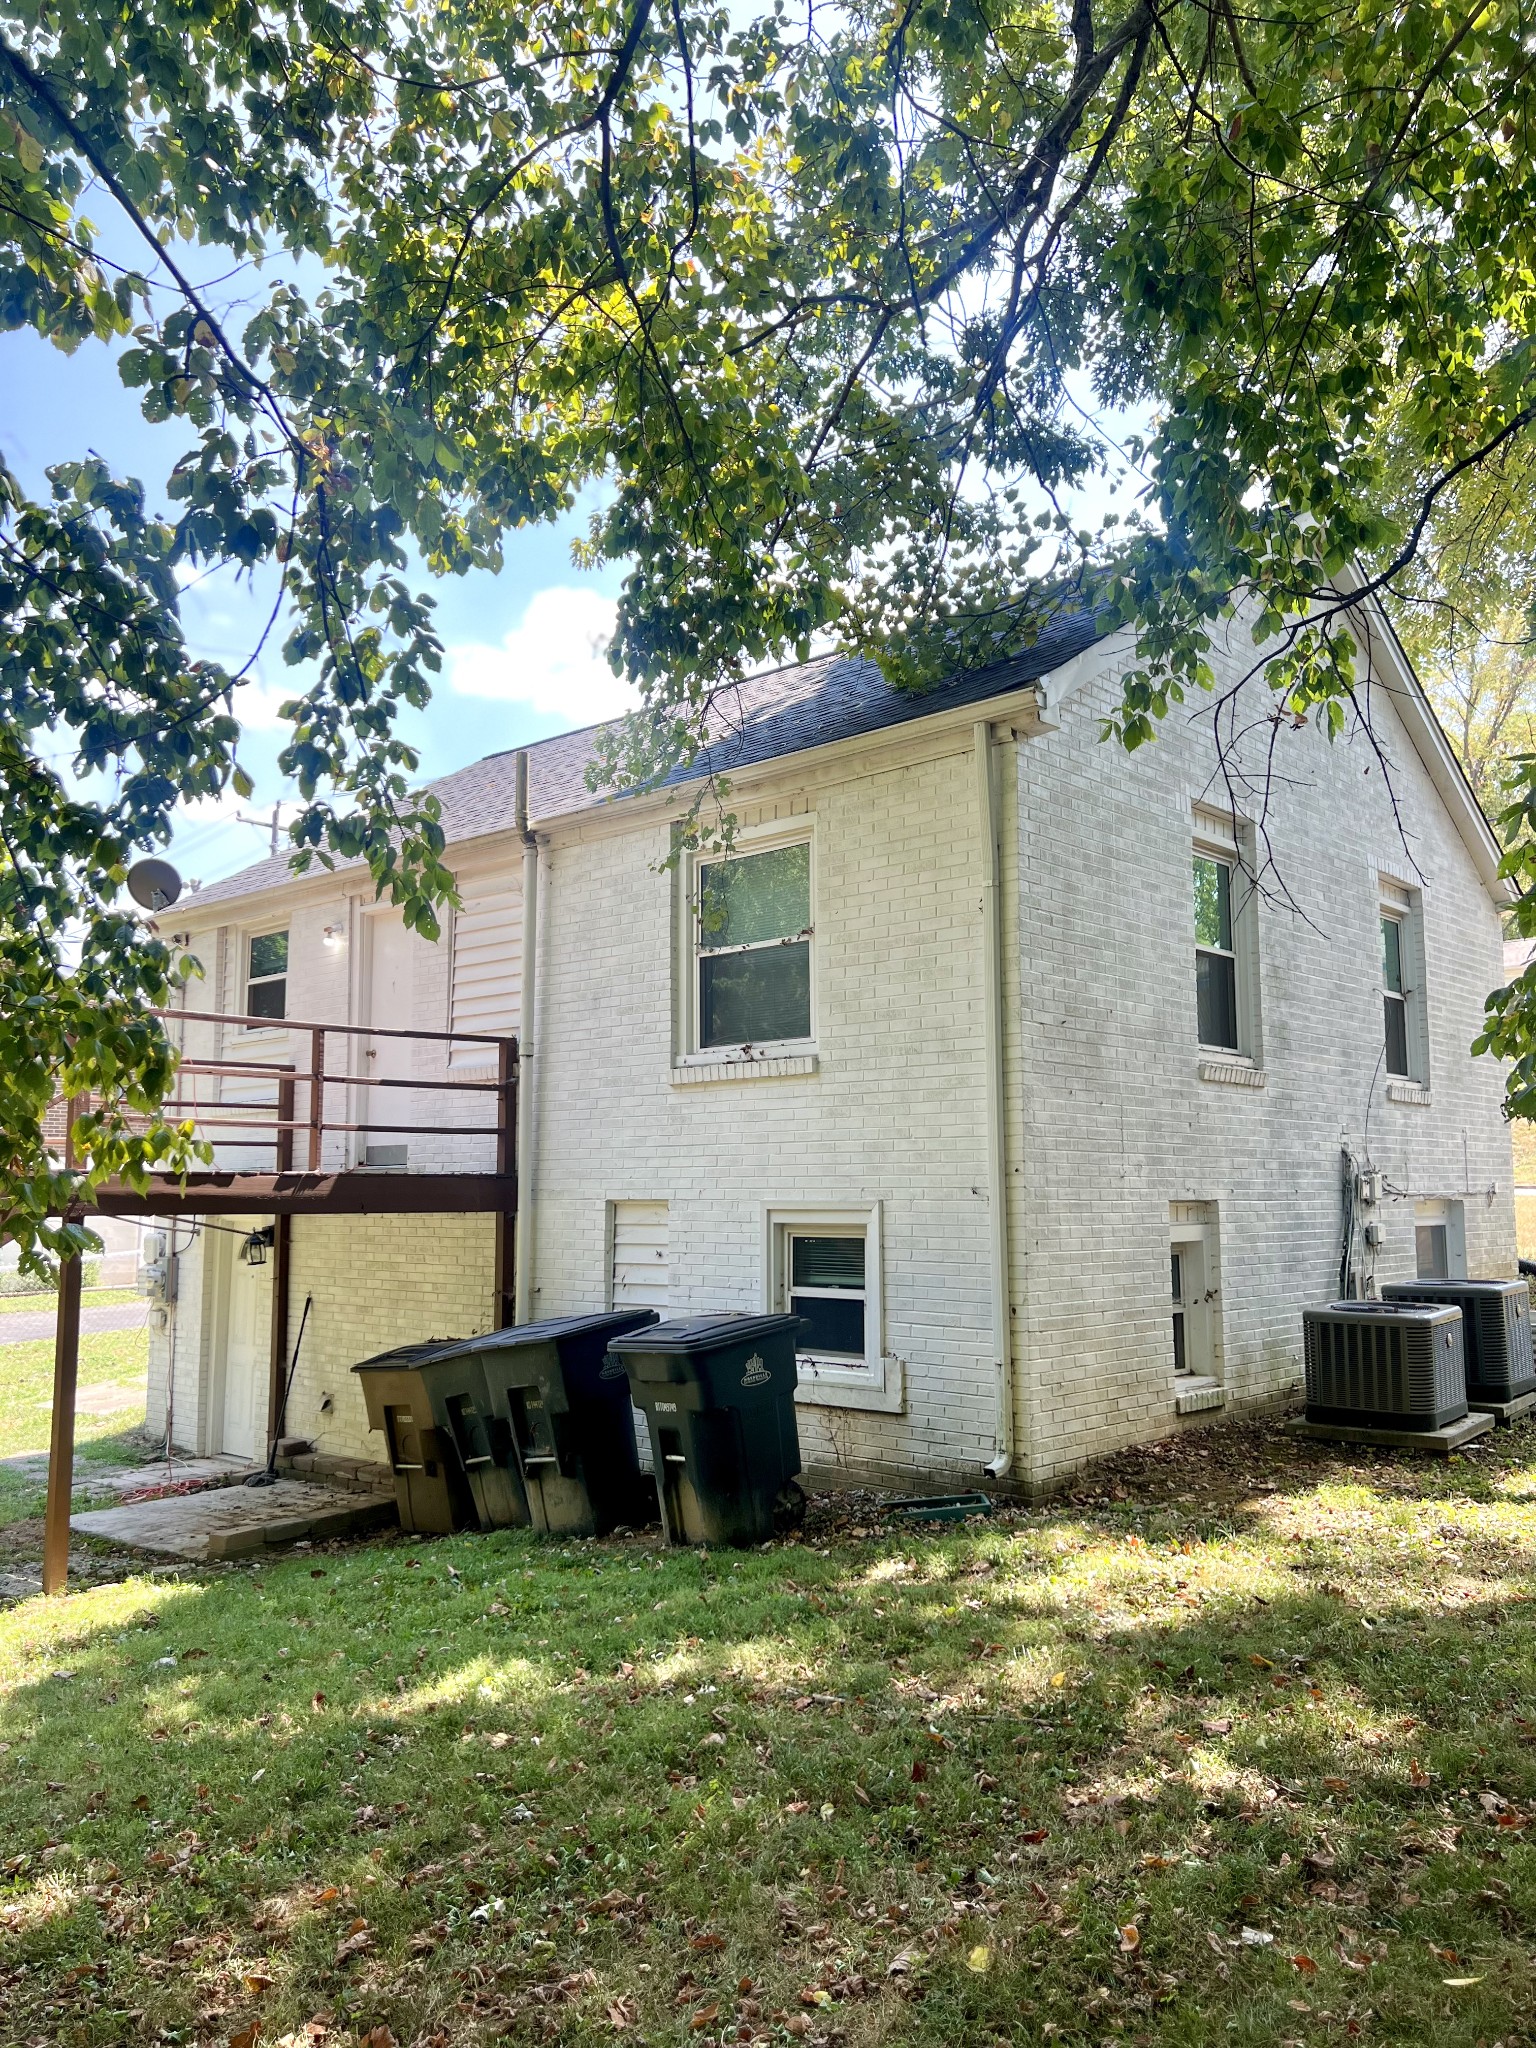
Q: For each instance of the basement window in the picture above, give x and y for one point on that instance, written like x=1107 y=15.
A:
x=753 y=922
x=824 y=1284
x=266 y=979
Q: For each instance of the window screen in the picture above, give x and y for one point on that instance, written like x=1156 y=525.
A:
x=755 y=947
x=827 y=1291
x=266 y=984
x=1215 y=959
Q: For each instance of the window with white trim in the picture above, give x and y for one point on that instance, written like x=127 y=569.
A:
x=1394 y=996
x=825 y=1275
x=1226 y=936
x=1405 y=1043
x=824 y=1265
x=266 y=975
x=1215 y=955
x=752 y=948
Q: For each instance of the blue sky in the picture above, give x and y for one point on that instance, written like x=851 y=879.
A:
x=521 y=660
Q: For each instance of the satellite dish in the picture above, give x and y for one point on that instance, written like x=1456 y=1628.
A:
x=154 y=884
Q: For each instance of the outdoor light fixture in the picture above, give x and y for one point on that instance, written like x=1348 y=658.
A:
x=254 y=1250
x=335 y=936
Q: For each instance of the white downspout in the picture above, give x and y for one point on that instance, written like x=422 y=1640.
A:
x=527 y=1065
x=997 y=1147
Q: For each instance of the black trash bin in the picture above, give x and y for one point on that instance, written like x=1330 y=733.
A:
x=719 y=1395
x=569 y=1422
x=449 y=1451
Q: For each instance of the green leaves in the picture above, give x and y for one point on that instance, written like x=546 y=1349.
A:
x=820 y=312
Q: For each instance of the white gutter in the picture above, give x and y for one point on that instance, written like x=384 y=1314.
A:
x=997 y=1136
x=527 y=1065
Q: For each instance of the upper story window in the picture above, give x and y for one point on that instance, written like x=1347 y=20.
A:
x=1215 y=955
x=266 y=976
x=1226 y=936
x=1394 y=995
x=754 y=947
x=1405 y=1044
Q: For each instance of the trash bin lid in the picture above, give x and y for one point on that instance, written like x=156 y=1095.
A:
x=405 y=1356
x=554 y=1329
x=690 y=1334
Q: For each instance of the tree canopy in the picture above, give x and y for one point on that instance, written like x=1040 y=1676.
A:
x=839 y=305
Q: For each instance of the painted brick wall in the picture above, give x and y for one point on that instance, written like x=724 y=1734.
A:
x=896 y=1112
x=376 y=1281
x=1110 y=1119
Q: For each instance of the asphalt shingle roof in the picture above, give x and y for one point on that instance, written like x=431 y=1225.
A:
x=785 y=711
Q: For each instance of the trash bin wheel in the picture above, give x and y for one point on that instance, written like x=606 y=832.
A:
x=788 y=1507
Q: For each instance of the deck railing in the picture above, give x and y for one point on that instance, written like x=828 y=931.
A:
x=293 y=1123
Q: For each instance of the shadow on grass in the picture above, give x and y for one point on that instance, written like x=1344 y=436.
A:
x=914 y=1790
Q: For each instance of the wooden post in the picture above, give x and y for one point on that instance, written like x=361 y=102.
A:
x=316 y=1095
x=277 y=1349
x=505 y=1283
x=61 y=1455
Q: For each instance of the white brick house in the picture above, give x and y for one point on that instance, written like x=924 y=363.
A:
x=985 y=1050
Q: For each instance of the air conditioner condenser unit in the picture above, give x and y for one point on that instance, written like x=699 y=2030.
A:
x=1386 y=1365
x=1495 y=1330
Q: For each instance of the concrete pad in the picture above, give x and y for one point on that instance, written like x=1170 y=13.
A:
x=1504 y=1411
x=1432 y=1443
x=110 y=1399
x=232 y=1521
x=103 y=1481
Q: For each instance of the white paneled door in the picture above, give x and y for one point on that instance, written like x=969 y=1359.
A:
x=242 y=1394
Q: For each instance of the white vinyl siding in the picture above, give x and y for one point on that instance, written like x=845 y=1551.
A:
x=639 y=1274
x=487 y=960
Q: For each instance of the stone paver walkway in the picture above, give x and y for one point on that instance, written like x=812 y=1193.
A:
x=238 y=1521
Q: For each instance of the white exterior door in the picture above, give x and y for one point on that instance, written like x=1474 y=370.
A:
x=242 y=1430
x=388 y=1059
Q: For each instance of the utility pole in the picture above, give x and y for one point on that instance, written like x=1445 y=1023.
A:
x=272 y=825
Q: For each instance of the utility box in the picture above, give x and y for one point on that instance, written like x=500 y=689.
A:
x=718 y=1393
x=568 y=1422
x=451 y=1471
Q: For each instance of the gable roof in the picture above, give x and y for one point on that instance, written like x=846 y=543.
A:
x=763 y=718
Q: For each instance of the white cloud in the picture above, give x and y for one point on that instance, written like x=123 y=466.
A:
x=553 y=661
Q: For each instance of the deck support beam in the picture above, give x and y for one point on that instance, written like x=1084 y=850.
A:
x=61 y=1453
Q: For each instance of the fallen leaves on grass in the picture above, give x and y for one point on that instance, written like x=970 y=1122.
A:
x=358 y=1937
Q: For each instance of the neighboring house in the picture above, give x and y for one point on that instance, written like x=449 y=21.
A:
x=986 y=1057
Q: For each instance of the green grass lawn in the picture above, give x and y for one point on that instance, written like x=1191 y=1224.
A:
x=26 y=1398
x=1236 y=1749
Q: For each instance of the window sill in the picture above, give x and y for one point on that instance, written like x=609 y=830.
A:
x=1233 y=1073
x=694 y=1071
x=1193 y=1394
x=880 y=1390
x=1409 y=1091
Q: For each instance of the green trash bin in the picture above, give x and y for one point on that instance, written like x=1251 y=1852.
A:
x=448 y=1449
x=569 y=1422
x=718 y=1393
